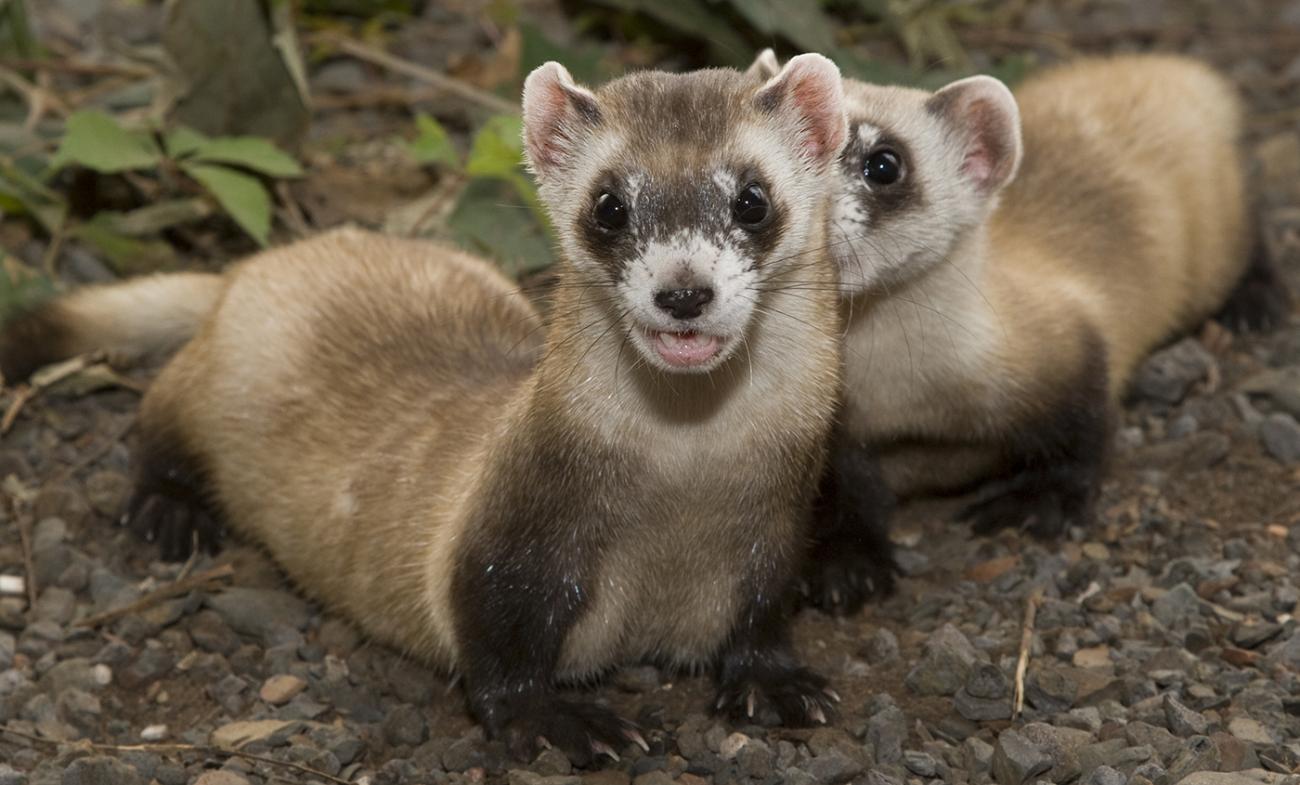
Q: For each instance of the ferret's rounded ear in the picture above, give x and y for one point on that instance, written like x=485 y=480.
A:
x=558 y=112
x=984 y=112
x=765 y=66
x=808 y=92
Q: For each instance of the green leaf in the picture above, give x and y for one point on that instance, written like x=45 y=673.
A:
x=586 y=61
x=433 y=145
x=249 y=152
x=240 y=195
x=489 y=219
x=127 y=255
x=183 y=141
x=96 y=141
x=498 y=153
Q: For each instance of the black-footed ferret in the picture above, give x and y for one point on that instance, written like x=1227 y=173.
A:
x=1007 y=261
x=386 y=418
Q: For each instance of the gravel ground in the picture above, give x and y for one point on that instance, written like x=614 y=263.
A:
x=1165 y=648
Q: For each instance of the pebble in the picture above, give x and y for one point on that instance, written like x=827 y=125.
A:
x=886 y=733
x=281 y=688
x=100 y=770
x=1017 y=760
x=946 y=662
x=1181 y=720
x=1280 y=434
x=271 y=616
x=1178 y=607
x=1168 y=375
x=405 y=725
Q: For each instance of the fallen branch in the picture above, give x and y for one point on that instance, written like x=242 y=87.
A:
x=176 y=747
x=173 y=589
x=1026 y=643
x=43 y=379
x=448 y=84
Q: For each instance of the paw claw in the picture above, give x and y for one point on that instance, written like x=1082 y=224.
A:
x=634 y=736
x=601 y=748
x=832 y=694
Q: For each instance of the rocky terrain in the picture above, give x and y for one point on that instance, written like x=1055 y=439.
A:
x=1161 y=646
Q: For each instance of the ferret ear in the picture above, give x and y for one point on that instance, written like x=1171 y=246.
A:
x=558 y=112
x=984 y=112
x=808 y=92
x=765 y=65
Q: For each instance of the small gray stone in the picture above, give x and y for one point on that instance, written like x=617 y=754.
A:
x=273 y=617
x=977 y=755
x=405 y=725
x=106 y=491
x=1017 y=760
x=922 y=764
x=833 y=767
x=1167 y=375
x=1050 y=691
x=1199 y=754
x=100 y=770
x=1280 y=435
x=48 y=533
x=882 y=647
x=946 y=662
x=886 y=733
x=11 y=776
x=1181 y=720
x=1178 y=607
x=1105 y=775
x=56 y=605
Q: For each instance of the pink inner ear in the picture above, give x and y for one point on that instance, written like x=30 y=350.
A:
x=816 y=101
x=545 y=121
x=988 y=153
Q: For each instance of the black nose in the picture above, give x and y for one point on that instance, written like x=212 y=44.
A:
x=684 y=303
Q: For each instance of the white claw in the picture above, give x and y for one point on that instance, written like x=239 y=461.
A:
x=817 y=714
x=722 y=699
x=750 y=701
x=832 y=694
x=633 y=735
x=543 y=742
x=601 y=748
x=835 y=596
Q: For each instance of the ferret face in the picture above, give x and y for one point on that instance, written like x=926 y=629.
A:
x=920 y=170
x=676 y=197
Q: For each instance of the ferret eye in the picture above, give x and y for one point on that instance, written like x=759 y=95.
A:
x=610 y=211
x=883 y=167
x=751 y=207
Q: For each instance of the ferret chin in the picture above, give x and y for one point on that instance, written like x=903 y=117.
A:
x=387 y=419
x=1006 y=261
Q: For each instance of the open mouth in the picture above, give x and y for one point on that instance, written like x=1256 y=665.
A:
x=686 y=350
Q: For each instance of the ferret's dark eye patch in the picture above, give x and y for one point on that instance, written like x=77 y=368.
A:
x=610 y=212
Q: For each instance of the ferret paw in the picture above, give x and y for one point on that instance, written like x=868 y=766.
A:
x=177 y=525
x=840 y=582
x=584 y=731
x=1043 y=513
x=1260 y=302
x=800 y=697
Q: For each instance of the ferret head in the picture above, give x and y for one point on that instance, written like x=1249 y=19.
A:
x=676 y=196
x=919 y=171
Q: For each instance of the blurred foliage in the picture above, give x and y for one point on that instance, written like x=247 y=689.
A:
x=15 y=29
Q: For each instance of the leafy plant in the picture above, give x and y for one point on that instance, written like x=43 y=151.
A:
x=498 y=211
x=226 y=168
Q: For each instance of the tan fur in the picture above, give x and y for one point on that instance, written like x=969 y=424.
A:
x=1127 y=217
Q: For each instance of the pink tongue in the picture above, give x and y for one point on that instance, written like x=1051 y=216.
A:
x=686 y=349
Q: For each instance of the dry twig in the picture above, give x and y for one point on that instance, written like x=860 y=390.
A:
x=43 y=379
x=448 y=84
x=177 y=747
x=1026 y=643
x=173 y=589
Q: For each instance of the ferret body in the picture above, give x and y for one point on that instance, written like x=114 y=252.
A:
x=1008 y=261
x=527 y=506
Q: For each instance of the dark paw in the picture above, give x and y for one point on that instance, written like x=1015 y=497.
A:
x=1042 y=513
x=584 y=731
x=799 y=697
x=177 y=525
x=840 y=583
x=1260 y=302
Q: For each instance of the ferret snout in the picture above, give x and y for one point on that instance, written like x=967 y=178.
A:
x=687 y=303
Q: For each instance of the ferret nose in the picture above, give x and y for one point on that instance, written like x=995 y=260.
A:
x=683 y=303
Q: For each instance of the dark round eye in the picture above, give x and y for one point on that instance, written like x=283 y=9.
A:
x=751 y=207
x=610 y=211
x=883 y=167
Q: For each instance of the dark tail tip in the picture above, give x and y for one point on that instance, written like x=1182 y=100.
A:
x=32 y=340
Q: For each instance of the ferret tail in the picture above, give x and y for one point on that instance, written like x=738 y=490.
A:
x=145 y=317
